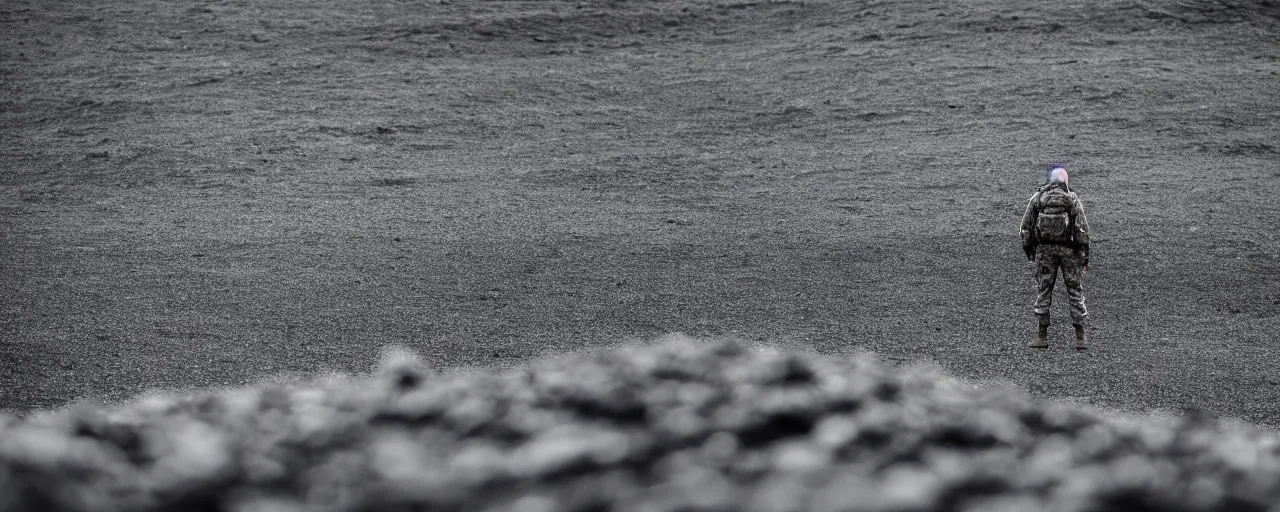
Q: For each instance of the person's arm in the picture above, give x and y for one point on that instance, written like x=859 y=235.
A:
x=1082 y=230
x=1028 y=229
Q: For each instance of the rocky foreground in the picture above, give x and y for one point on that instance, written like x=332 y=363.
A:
x=681 y=425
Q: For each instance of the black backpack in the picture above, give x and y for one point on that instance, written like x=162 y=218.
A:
x=1054 y=220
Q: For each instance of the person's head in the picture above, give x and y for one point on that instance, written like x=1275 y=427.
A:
x=1057 y=174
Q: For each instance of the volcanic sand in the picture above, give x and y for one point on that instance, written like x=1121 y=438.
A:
x=203 y=194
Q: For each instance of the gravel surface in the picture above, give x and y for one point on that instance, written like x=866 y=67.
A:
x=680 y=425
x=198 y=194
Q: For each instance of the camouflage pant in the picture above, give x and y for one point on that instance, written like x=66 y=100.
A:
x=1049 y=260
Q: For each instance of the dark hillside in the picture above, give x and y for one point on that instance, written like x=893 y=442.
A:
x=201 y=194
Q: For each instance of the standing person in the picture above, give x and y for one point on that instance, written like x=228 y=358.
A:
x=1055 y=235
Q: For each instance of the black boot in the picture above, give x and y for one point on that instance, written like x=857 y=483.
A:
x=1082 y=343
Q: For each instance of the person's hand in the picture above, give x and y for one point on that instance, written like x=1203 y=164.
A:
x=1030 y=251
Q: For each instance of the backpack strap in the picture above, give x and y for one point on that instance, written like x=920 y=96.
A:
x=1071 y=217
x=1075 y=211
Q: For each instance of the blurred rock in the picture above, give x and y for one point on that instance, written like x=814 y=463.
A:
x=678 y=425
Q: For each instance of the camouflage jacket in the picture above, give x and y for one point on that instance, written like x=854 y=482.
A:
x=1079 y=224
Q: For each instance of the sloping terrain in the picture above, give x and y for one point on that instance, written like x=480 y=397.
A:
x=679 y=426
x=206 y=193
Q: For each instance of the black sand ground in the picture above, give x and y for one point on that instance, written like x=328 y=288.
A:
x=204 y=193
x=682 y=426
